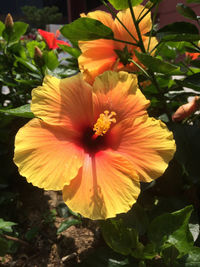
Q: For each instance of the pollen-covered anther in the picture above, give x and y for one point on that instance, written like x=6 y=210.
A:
x=103 y=123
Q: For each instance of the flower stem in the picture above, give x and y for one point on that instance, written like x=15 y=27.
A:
x=154 y=18
x=141 y=44
x=146 y=74
x=149 y=10
x=113 y=13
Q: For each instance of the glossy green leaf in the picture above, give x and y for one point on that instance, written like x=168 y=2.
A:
x=14 y=34
x=6 y=226
x=181 y=37
x=50 y=59
x=70 y=50
x=27 y=64
x=186 y=11
x=66 y=224
x=2 y=27
x=156 y=64
x=192 y=259
x=23 y=111
x=123 y=4
x=86 y=29
x=120 y=238
x=172 y=228
x=179 y=28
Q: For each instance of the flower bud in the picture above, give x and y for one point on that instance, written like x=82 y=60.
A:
x=186 y=110
x=38 y=56
x=9 y=21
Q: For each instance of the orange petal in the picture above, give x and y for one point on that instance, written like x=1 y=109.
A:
x=119 y=92
x=97 y=56
x=105 y=186
x=46 y=155
x=102 y=16
x=63 y=102
x=149 y=145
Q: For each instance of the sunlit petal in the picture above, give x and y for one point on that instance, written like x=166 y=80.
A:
x=105 y=186
x=46 y=155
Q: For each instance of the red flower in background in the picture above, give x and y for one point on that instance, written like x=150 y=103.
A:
x=193 y=56
x=51 y=39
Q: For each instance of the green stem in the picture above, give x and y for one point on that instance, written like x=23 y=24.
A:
x=141 y=44
x=126 y=42
x=113 y=13
x=149 y=10
x=146 y=74
x=195 y=46
x=155 y=47
x=188 y=68
x=153 y=21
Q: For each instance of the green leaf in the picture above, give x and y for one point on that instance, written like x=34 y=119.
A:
x=186 y=11
x=66 y=224
x=192 y=259
x=2 y=27
x=70 y=50
x=136 y=218
x=86 y=29
x=27 y=64
x=172 y=229
x=179 y=28
x=181 y=37
x=14 y=34
x=31 y=47
x=123 y=4
x=120 y=238
x=23 y=111
x=6 y=226
x=156 y=64
x=50 y=59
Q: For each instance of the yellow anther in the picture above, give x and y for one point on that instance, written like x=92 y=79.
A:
x=103 y=123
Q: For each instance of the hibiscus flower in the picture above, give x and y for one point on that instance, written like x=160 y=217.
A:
x=101 y=55
x=51 y=39
x=186 y=110
x=193 y=56
x=94 y=143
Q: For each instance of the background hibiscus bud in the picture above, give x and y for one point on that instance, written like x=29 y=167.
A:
x=186 y=110
x=9 y=21
x=38 y=56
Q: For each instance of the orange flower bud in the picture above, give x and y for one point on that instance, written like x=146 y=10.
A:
x=9 y=21
x=37 y=52
x=186 y=110
x=38 y=56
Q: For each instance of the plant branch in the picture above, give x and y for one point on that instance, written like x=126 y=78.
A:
x=113 y=13
x=141 y=44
